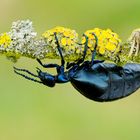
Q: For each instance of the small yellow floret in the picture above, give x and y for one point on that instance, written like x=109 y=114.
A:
x=69 y=41
x=110 y=46
x=83 y=40
x=5 y=40
x=66 y=33
x=72 y=47
x=78 y=51
x=90 y=45
x=101 y=50
x=63 y=41
x=72 y=36
x=59 y=29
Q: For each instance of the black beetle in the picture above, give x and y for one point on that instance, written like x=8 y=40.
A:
x=94 y=79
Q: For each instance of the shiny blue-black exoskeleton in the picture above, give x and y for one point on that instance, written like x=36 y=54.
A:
x=94 y=79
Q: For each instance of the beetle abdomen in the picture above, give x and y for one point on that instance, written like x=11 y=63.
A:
x=132 y=78
x=107 y=82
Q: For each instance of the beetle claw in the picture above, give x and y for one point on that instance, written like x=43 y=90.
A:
x=38 y=70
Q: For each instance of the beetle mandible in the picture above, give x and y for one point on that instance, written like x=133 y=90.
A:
x=94 y=79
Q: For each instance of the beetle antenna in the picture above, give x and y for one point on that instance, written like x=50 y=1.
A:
x=24 y=70
x=26 y=77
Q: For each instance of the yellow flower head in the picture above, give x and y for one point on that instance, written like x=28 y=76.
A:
x=5 y=40
x=108 y=41
x=64 y=41
x=67 y=38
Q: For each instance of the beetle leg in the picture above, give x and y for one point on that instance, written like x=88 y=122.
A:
x=98 y=61
x=85 y=51
x=26 y=77
x=59 y=50
x=95 y=47
x=69 y=65
x=50 y=66
x=47 y=65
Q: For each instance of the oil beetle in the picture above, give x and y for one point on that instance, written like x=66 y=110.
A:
x=94 y=79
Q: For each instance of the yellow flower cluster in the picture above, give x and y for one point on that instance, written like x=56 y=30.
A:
x=108 y=41
x=5 y=40
x=67 y=38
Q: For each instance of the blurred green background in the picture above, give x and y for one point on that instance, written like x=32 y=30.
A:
x=29 y=111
